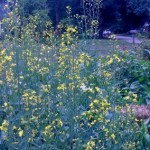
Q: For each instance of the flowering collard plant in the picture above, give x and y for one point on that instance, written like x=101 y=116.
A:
x=55 y=95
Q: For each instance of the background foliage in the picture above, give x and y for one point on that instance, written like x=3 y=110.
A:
x=118 y=15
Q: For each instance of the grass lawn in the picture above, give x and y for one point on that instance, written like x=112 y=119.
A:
x=105 y=46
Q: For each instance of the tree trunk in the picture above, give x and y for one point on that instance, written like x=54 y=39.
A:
x=57 y=11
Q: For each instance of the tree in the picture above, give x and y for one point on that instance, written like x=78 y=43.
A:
x=112 y=14
x=124 y=15
x=137 y=12
x=57 y=9
x=30 y=7
x=137 y=7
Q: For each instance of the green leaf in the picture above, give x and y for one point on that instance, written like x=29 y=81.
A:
x=141 y=79
x=148 y=99
x=135 y=86
x=147 y=139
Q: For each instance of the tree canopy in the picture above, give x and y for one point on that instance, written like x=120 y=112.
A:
x=118 y=15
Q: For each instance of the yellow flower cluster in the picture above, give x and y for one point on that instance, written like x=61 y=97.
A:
x=48 y=132
x=97 y=112
x=4 y=126
x=72 y=30
x=90 y=145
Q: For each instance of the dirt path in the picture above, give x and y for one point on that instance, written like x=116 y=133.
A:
x=129 y=39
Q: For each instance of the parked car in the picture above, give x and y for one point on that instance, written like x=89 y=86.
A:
x=107 y=33
x=134 y=31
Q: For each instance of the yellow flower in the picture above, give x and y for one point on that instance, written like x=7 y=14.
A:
x=4 y=126
x=61 y=87
x=20 y=133
x=135 y=95
x=90 y=145
x=107 y=74
x=1 y=82
x=134 y=100
x=95 y=101
x=110 y=61
x=113 y=136
x=97 y=89
x=127 y=97
x=71 y=29
x=5 y=104
x=116 y=57
x=94 y=22
x=14 y=127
